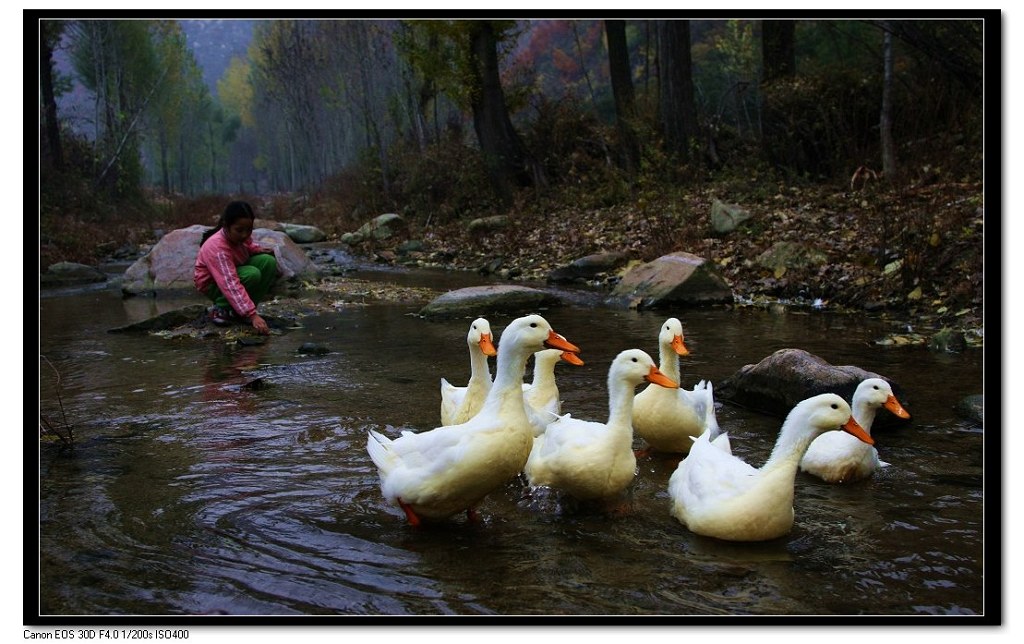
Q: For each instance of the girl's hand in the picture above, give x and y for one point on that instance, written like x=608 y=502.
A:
x=260 y=324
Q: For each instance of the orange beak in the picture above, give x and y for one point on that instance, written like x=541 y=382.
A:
x=895 y=407
x=572 y=358
x=659 y=378
x=679 y=347
x=556 y=341
x=853 y=428
x=487 y=346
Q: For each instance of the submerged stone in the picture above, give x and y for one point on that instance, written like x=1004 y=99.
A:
x=481 y=301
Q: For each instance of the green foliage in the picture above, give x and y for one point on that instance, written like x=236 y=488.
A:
x=439 y=52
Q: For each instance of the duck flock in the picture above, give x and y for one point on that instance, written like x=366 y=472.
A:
x=494 y=430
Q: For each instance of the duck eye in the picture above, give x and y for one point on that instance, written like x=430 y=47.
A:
x=533 y=325
x=835 y=406
x=635 y=360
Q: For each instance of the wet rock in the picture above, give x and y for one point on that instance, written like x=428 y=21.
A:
x=169 y=320
x=972 y=408
x=948 y=341
x=169 y=265
x=491 y=266
x=776 y=384
x=70 y=273
x=589 y=268
x=312 y=348
x=481 y=301
x=676 y=279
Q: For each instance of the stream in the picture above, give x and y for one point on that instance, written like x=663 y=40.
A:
x=208 y=479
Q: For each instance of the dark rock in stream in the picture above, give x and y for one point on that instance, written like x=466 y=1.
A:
x=164 y=321
x=312 y=348
x=482 y=301
x=972 y=408
x=776 y=384
x=192 y=321
x=70 y=273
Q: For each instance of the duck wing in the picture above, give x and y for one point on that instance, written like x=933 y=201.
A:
x=710 y=474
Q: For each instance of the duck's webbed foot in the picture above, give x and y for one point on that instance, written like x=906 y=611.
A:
x=414 y=520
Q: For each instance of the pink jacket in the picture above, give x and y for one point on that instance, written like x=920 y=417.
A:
x=217 y=262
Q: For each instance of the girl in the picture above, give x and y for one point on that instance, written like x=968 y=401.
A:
x=233 y=271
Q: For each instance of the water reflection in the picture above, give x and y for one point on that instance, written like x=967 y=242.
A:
x=234 y=480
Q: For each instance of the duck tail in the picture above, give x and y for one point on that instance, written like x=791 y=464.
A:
x=708 y=404
x=379 y=448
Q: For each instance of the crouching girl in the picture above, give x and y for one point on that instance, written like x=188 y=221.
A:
x=233 y=271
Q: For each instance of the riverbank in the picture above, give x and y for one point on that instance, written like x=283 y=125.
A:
x=914 y=255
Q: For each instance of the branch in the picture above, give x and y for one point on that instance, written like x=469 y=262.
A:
x=131 y=127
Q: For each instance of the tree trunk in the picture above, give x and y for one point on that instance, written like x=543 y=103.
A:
x=621 y=76
x=164 y=163
x=885 y=121
x=213 y=157
x=47 y=36
x=675 y=79
x=778 y=49
x=505 y=157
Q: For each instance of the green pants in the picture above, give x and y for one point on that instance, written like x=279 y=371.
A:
x=257 y=276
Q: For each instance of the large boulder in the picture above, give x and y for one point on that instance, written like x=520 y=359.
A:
x=170 y=264
x=777 y=383
x=482 y=301
x=676 y=279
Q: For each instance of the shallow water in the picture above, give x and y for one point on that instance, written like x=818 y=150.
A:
x=234 y=480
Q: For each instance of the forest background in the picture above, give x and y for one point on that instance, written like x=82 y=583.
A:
x=861 y=139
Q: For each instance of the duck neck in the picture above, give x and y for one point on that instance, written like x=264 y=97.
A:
x=864 y=414
x=543 y=372
x=479 y=371
x=620 y=406
x=507 y=390
x=669 y=362
x=789 y=448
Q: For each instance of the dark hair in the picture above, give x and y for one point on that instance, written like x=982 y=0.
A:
x=232 y=212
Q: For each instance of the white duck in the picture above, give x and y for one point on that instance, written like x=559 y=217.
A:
x=541 y=395
x=438 y=473
x=459 y=404
x=590 y=460
x=716 y=494
x=837 y=457
x=668 y=419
